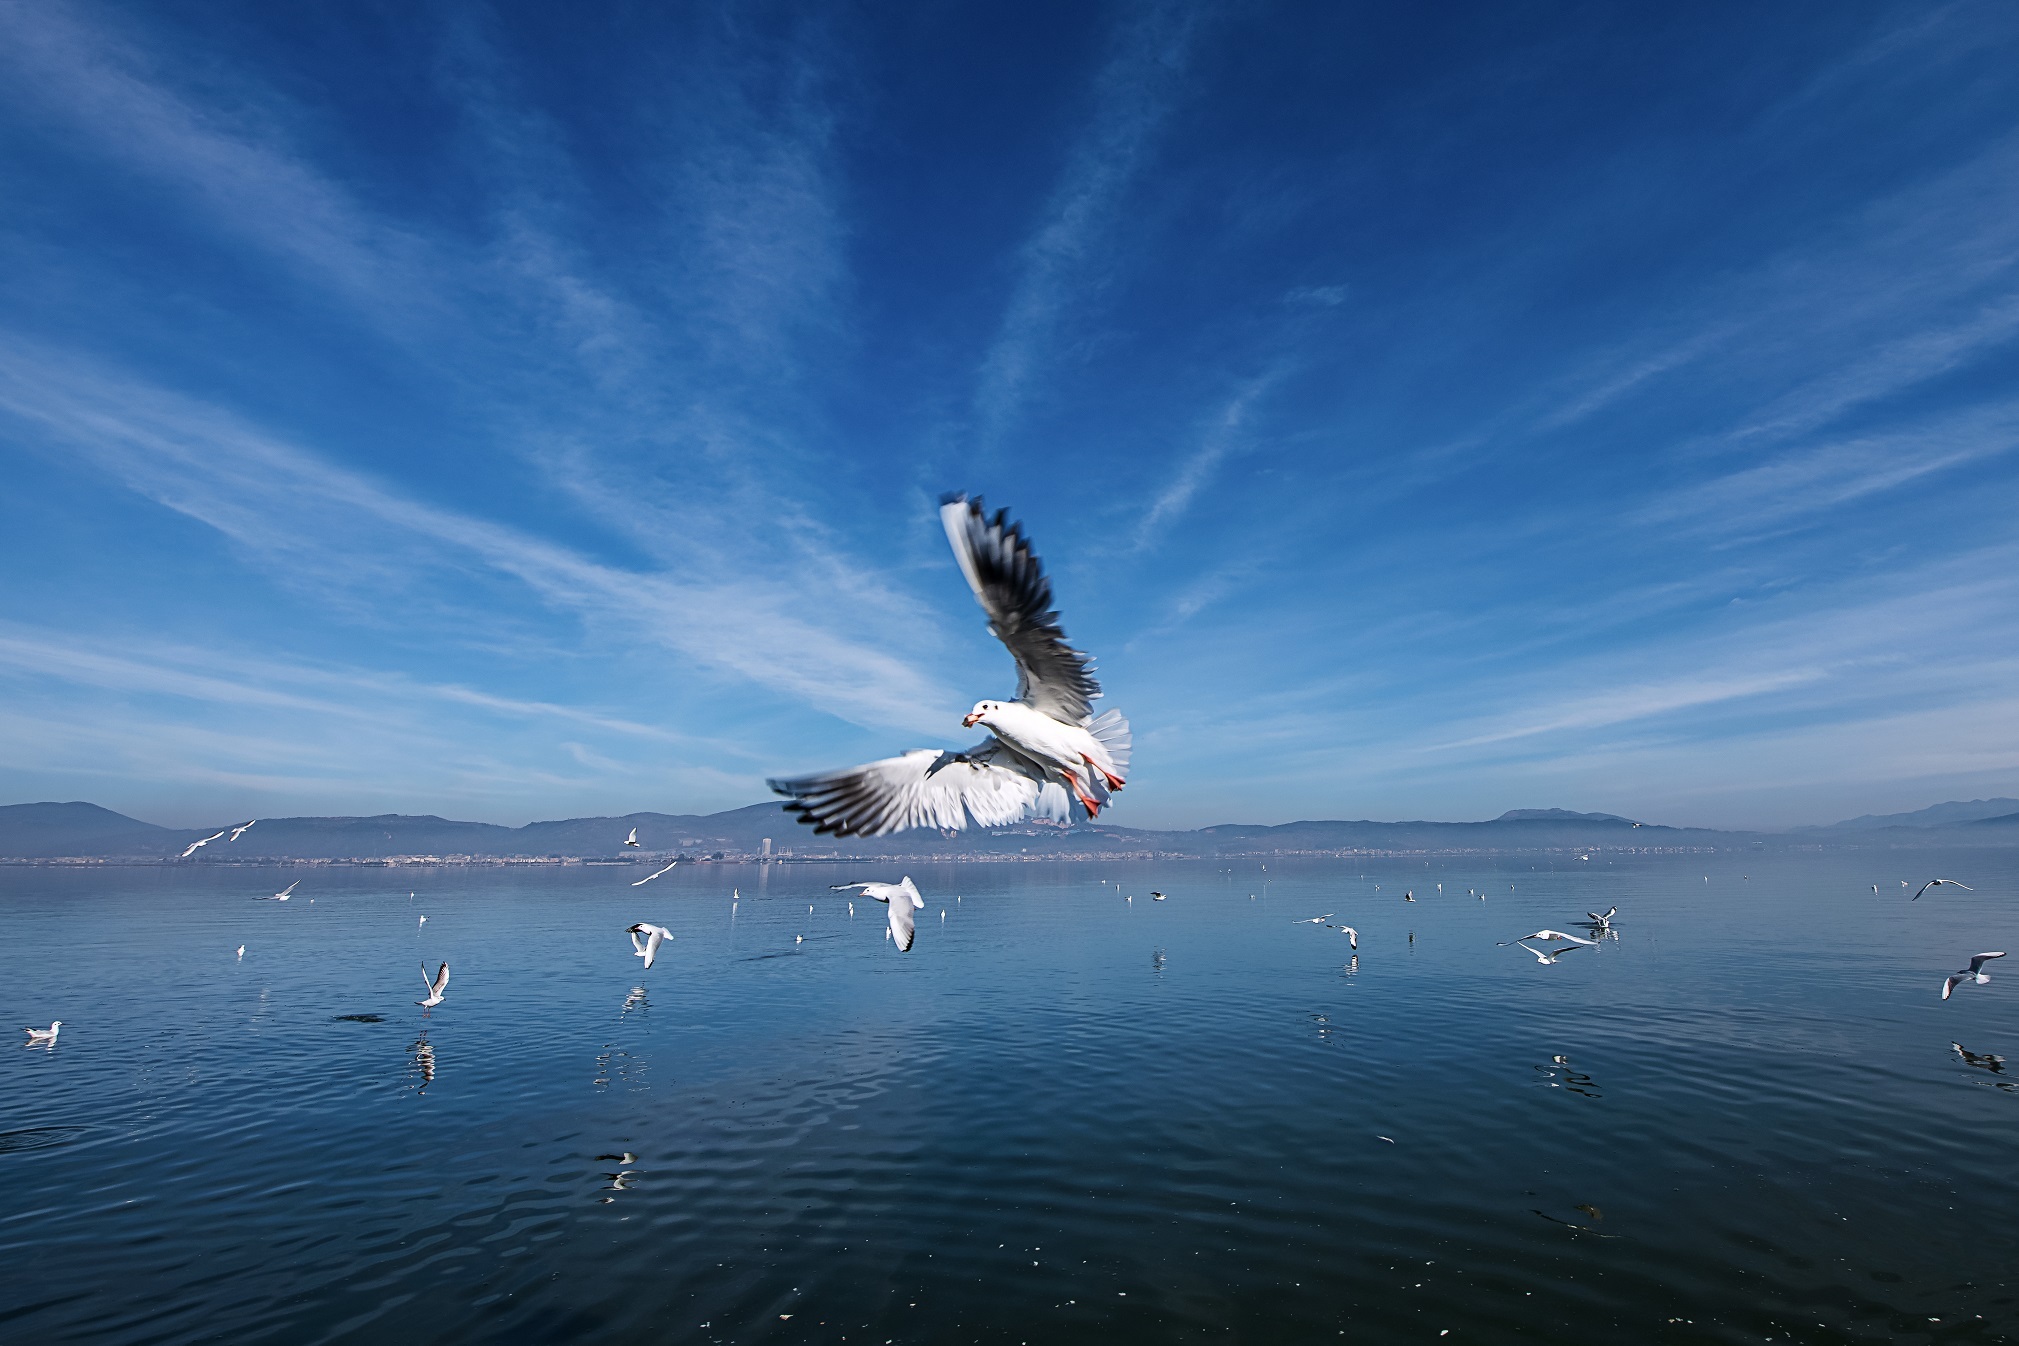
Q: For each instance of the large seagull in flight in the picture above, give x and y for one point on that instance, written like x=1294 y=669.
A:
x=1046 y=752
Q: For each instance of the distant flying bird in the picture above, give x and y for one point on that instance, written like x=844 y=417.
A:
x=1549 y=934
x=1158 y=897
x=1046 y=752
x=648 y=948
x=649 y=877
x=1937 y=883
x=43 y=1035
x=240 y=830
x=1552 y=955
x=1313 y=920
x=632 y=840
x=1973 y=973
x=902 y=898
x=424 y=921
x=1409 y=896
x=436 y=986
x=192 y=847
x=285 y=893
x=1352 y=935
x=241 y=951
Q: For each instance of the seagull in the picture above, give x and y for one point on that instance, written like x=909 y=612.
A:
x=1553 y=954
x=43 y=1035
x=192 y=847
x=284 y=893
x=1548 y=934
x=1352 y=935
x=632 y=840
x=1975 y=972
x=1937 y=883
x=1604 y=921
x=1158 y=897
x=1046 y=754
x=649 y=877
x=1409 y=896
x=902 y=898
x=1315 y=920
x=240 y=830
x=655 y=935
x=241 y=952
x=439 y=984
x=424 y=921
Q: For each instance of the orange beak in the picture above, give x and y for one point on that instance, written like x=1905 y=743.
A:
x=970 y=720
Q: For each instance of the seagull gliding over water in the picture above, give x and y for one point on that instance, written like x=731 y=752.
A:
x=655 y=935
x=1973 y=973
x=192 y=847
x=902 y=898
x=1046 y=753
x=1549 y=934
x=436 y=986
x=649 y=877
x=284 y=893
x=1937 y=883
x=240 y=830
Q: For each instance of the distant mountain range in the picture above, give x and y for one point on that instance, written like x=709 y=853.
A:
x=82 y=831
x=1951 y=814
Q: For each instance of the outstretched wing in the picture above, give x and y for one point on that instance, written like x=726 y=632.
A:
x=1010 y=583
x=902 y=928
x=924 y=788
x=1977 y=961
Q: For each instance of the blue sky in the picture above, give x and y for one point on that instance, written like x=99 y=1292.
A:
x=528 y=411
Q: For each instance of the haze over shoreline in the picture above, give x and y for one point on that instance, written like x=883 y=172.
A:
x=79 y=832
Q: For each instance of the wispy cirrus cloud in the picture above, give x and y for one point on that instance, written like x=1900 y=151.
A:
x=286 y=504
x=1069 y=257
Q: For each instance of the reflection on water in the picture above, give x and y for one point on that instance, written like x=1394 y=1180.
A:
x=422 y=1064
x=1010 y=1134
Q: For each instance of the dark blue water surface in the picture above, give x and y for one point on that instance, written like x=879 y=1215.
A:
x=1064 y=1117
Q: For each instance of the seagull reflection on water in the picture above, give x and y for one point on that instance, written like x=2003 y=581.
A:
x=423 y=1063
x=1156 y=960
x=1559 y=1075
x=1990 y=1061
x=634 y=1001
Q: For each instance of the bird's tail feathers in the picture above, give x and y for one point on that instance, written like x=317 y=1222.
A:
x=1111 y=730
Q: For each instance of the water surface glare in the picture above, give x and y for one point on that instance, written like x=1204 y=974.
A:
x=1064 y=1117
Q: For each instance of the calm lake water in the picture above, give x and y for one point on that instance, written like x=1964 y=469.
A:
x=1064 y=1117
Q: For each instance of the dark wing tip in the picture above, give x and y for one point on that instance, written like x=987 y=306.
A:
x=954 y=498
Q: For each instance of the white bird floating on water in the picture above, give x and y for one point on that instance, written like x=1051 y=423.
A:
x=1973 y=973
x=1549 y=934
x=284 y=893
x=241 y=952
x=902 y=898
x=632 y=840
x=1937 y=883
x=1352 y=935
x=438 y=984
x=649 y=877
x=43 y=1035
x=424 y=921
x=648 y=948
x=193 y=846
x=1313 y=920
x=1552 y=955
x=1046 y=753
x=240 y=830
x=1159 y=897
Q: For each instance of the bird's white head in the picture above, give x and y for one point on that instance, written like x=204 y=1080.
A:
x=981 y=713
x=55 y=1024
